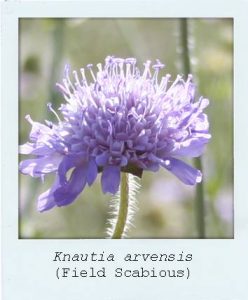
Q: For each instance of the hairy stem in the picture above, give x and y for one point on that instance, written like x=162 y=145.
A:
x=123 y=208
x=199 y=200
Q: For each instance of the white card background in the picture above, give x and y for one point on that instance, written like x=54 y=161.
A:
x=218 y=268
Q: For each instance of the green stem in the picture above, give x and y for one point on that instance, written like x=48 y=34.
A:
x=184 y=36
x=123 y=208
x=199 y=201
x=58 y=36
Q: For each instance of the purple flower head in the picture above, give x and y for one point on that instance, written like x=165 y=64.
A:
x=123 y=120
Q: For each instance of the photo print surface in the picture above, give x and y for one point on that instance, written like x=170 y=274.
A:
x=126 y=128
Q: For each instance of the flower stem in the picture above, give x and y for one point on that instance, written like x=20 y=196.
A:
x=184 y=37
x=199 y=203
x=58 y=37
x=123 y=208
x=199 y=200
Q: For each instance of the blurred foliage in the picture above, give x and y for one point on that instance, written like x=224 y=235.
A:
x=31 y=65
x=165 y=205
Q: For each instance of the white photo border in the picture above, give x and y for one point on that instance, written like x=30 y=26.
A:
x=218 y=268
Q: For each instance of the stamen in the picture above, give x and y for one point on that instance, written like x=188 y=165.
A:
x=189 y=87
x=84 y=81
x=69 y=80
x=158 y=65
x=66 y=70
x=109 y=60
x=28 y=118
x=99 y=66
x=76 y=77
x=120 y=63
x=62 y=88
x=131 y=61
x=89 y=66
x=49 y=124
x=49 y=106
x=190 y=77
x=127 y=70
x=65 y=81
x=119 y=60
x=164 y=82
x=179 y=77
x=147 y=69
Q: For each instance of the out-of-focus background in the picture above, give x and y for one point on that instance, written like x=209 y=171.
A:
x=166 y=207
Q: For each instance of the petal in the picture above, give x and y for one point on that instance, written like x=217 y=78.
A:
x=192 y=147
x=30 y=148
x=43 y=150
x=192 y=115
x=68 y=162
x=183 y=171
x=201 y=124
x=124 y=161
x=153 y=166
x=110 y=179
x=46 y=199
x=102 y=159
x=68 y=192
x=26 y=148
x=37 y=129
x=39 y=166
x=92 y=172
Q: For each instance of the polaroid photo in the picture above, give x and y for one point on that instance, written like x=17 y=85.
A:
x=123 y=150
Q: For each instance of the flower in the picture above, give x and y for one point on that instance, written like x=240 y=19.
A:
x=124 y=120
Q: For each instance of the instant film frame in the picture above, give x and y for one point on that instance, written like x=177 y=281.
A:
x=28 y=268
x=165 y=206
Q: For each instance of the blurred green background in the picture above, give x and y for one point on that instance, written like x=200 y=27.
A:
x=166 y=207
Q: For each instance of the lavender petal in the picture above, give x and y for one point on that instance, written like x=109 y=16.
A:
x=110 y=179
x=183 y=171
x=68 y=192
